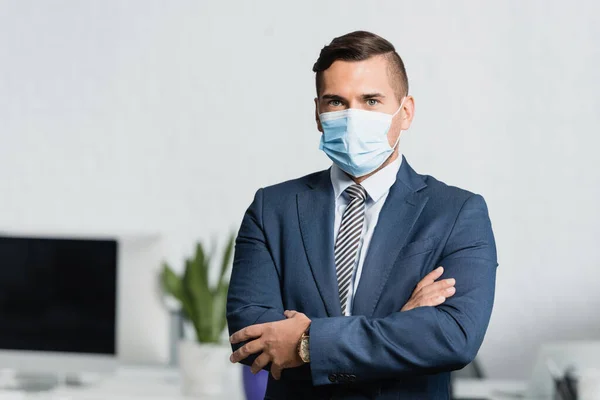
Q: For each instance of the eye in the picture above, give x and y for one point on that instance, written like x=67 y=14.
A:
x=334 y=103
x=372 y=102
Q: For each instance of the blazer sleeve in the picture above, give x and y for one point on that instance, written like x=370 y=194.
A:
x=254 y=295
x=426 y=339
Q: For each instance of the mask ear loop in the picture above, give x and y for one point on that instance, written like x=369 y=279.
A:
x=397 y=111
x=401 y=105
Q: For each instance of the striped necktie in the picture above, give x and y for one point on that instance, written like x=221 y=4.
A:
x=348 y=240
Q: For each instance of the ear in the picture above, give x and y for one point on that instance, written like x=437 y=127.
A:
x=407 y=113
x=319 y=127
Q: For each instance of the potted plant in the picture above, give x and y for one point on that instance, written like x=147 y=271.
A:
x=204 y=361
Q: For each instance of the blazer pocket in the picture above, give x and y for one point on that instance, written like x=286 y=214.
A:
x=418 y=247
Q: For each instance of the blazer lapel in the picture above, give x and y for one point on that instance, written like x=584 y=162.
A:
x=316 y=216
x=396 y=219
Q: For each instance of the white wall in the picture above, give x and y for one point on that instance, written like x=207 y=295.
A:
x=166 y=116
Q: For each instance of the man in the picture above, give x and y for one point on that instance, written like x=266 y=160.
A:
x=336 y=283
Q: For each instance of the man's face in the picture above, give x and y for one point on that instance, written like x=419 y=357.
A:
x=364 y=85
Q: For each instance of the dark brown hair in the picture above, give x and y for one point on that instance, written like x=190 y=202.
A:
x=359 y=46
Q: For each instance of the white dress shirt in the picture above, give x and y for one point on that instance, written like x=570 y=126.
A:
x=377 y=187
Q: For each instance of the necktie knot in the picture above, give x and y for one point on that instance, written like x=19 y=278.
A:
x=357 y=192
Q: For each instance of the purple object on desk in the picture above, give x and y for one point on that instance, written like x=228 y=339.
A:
x=255 y=386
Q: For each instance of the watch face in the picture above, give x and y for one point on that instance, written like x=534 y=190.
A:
x=304 y=353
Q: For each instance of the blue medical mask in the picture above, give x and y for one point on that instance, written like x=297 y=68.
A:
x=356 y=140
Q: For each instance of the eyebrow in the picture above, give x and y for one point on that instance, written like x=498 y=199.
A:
x=365 y=96
x=372 y=95
x=332 y=97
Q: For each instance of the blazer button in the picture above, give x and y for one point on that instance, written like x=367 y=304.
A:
x=352 y=378
x=332 y=378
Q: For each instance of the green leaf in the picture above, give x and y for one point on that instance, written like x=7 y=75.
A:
x=202 y=262
x=196 y=286
x=173 y=285
x=192 y=313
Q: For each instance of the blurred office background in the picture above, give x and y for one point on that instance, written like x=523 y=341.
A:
x=160 y=119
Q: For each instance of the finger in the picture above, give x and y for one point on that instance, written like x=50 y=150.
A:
x=424 y=302
x=250 y=332
x=438 y=288
x=290 y=313
x=260 y=362
x=276 y=371
x=436 y=299
x=439 y=299
x=249 y=348
x=408 y=306
x=430 y=278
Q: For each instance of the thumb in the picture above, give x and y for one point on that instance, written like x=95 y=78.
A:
x=290 y=314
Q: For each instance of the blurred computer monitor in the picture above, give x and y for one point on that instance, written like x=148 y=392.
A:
x=58 y=304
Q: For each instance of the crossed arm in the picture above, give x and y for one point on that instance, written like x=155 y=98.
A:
x=435 y=331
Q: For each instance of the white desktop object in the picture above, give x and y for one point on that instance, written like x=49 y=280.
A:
x=582 y=356
x=588 y=385
x=142 y=317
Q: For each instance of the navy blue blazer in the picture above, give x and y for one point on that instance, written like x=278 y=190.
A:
x=284 y=260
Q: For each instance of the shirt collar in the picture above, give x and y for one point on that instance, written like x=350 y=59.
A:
x=376 y=185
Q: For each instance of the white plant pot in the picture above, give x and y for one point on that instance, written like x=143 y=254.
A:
x=204 y=368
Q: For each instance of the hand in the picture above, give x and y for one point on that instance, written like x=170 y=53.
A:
x=431 y=293
x=278 y=342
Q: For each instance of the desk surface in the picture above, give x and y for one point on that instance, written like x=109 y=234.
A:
x=491 y=389
x=156 y=383
x=131 y=383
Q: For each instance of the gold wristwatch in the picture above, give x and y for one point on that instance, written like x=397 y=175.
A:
x=303 y=347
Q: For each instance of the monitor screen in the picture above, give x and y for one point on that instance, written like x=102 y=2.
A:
x=58 y=295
